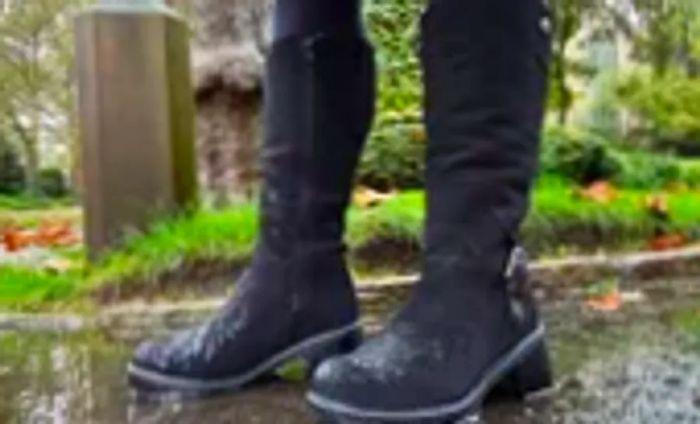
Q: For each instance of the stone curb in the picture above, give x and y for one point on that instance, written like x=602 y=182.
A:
x=580 y=270
x=130 y=320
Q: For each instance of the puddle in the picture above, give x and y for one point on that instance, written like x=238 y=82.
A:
x=640 y=365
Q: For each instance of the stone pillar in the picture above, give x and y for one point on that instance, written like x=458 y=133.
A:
x=136 y=112
x=228 y=57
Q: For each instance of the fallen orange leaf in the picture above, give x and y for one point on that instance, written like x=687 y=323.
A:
x=668 y=242
x=56 y=234
x=364 y=197
x=608 y=303
x=49 y=234
x=657 y=204
x=600 y=192
x=16 y=240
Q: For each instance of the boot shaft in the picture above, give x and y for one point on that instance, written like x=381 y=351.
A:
x=485 y=71
x=319 y=102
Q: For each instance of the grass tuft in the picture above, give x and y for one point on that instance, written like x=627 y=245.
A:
x=560 y=221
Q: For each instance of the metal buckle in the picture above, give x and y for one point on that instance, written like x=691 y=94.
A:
x=517 y=284
x=517 y=257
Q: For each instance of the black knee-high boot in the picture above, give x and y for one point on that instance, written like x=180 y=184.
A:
x=471 y=324
x=296 y=300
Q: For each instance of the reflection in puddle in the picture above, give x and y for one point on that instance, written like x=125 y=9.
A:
x=274 y=403
x=626 y=368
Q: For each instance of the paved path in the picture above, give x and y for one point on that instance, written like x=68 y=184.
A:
x=636 y=366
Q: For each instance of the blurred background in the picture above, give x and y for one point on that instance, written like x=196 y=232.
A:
x=614 y=228
x=620 y=167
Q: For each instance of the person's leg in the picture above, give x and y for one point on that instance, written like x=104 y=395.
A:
x=296 y=299
x=295 y=18
x=471 y=323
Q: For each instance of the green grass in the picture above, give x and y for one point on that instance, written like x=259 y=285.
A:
x=22 y=203
x=26 y=289
x=28 y=211
x=561 y=218
x=221 y=235
x=34 y=217
x=690 y=171
x=560 y=222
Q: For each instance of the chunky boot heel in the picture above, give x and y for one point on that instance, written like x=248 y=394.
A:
x=333 y=346
x=532 y=375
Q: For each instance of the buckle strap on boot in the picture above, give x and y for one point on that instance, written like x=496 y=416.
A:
x=517 y=278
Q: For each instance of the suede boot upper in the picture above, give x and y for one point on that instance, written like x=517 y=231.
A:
x=297 y=291
x=485 y=71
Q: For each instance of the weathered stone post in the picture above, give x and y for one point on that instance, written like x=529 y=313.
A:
x=228 y=57
x=136 y=117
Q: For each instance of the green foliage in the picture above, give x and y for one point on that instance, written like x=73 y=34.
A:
x=569 y=16
x=668 y=105
x=560 y=219
x=395 y=152
x=647 y=171
x=395 y=157
x=582 y=157
x=559 y=214
x=579 y=156
x=36 y=56
x=399 y=219
x=225 y=235
x=667 y=40
x=12 y=177
x=690 y=172
x=393 y=27
x=52 y=183
x=23 y=203
x=22 y=288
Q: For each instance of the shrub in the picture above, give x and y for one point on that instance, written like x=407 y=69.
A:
x=690 y=172
x=582 y=157
x=647 y=170
x=669 y=106
x=52 y=183
x=394 y=157
x=395 y=152
x=393 y=28
x=12 y=177
x=577 y=155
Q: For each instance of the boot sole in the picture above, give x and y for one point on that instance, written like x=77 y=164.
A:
x=312 y=351
x=506 y=371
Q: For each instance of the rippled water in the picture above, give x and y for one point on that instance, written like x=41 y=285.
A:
x=637 y=366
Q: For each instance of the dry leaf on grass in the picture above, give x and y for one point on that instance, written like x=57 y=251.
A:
x=599 y=192
x=658 y=206
x=609 y=302
x=49 y=234
x=364 y=197
x=15 y=240
x=668 y=242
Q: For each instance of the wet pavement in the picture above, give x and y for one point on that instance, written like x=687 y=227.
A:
x=640 y=365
